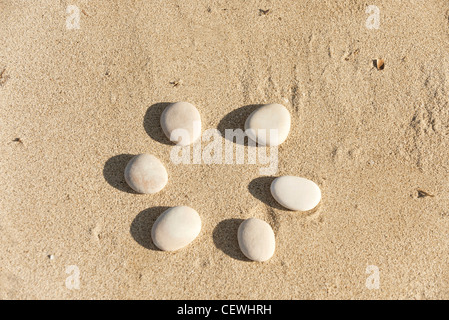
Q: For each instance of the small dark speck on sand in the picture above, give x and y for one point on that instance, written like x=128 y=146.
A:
x=3 y=77
x=379 y=64
x=423 y=194
x=264 y=12
x=176 y=83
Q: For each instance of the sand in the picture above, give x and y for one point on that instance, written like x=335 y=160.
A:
x=75 y=105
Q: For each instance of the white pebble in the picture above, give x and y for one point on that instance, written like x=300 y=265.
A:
x=295 y=193
x=175 y=228
x=256 y=239
x=260 y=125
x=181 y=123
x=145 y=173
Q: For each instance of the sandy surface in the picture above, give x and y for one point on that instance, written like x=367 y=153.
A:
x=82 y=101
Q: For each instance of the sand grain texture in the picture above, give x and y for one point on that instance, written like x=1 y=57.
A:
x=83 y=102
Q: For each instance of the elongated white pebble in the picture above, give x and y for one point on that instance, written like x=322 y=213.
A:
x=269 y=125
x=256 y=239
x=181 y=123
x=175 y=228
x=145 y=173
x=295 y=193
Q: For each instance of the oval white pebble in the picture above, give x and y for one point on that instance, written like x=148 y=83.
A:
x=260 y=125
x=145 y=173
x=175 y=228
x=181 y=123
x=256 y=239
x=295 y=193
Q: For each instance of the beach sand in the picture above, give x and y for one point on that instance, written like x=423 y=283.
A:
x=76 y=104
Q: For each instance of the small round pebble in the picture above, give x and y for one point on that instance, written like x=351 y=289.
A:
x=185 y=119
x=295 y=193
x=175 y=228
x=256 y=239
x=267 y=117
x=145 y=173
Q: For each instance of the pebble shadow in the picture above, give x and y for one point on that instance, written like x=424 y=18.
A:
x=225 y=238
x=236 y=120
x=260 y=189
x=114 y=170
x=141 y=227
x=152 y=122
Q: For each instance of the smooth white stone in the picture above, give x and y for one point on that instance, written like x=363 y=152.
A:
x=259 y=124
x=145 y=173
x=181 y=123
x=256 y=239
x=295 y=193
x=175 y=228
